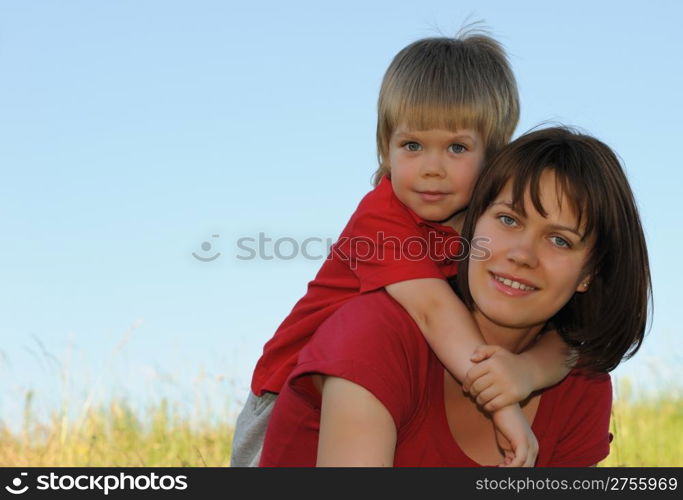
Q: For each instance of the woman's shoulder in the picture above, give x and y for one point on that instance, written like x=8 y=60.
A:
x=580 y=386
x=580 y=394
x=373 y=318
x=582 y=380
x=374 y=343
x=576 y=422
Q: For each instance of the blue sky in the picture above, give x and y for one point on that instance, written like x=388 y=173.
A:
x=133 y=131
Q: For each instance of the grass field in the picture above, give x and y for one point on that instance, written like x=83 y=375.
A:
x=117 y=436
x=647 y=432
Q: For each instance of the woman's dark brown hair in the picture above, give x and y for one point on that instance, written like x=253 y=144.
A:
x=606 y=323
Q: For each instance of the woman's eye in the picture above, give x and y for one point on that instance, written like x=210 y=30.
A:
x=412 y=146
x=560 y=242
x=507 y=220
x=457 y=148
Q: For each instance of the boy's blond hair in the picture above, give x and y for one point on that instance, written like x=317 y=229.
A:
x=448 y=83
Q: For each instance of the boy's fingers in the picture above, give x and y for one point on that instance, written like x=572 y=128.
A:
x=486 y=395
x=476 y=371
x=519 y=458
x=477 y=356
x=480 y=385
x=473 y=374
x=482 y=352
x=496 y=403
x=477 y=353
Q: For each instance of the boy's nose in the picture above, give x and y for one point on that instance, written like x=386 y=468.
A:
x=432 y=166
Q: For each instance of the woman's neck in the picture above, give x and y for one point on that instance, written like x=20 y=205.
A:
x=510 y=338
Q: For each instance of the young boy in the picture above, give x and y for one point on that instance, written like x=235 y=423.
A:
x=445 y=105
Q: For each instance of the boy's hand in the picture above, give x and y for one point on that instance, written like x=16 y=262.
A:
x=515 y=437
x=499 y=378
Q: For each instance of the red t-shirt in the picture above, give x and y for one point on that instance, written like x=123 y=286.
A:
x=384 y=242
x=373 y=342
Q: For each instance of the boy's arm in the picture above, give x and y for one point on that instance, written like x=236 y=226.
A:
x=445 y=322
x=521 y=448
x=549 y=360
x=501 y=378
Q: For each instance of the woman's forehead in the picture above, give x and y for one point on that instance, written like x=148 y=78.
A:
x=549 y=198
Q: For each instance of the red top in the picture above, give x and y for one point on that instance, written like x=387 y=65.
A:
x=384 y=242
x=373 y=342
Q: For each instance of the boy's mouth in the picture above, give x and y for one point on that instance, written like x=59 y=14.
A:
x=432 y=195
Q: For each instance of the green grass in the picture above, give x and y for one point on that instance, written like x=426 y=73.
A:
x=116 y=436
x=647 y=429
x=647 y=432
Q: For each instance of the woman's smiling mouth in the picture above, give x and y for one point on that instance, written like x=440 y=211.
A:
x=512 y=287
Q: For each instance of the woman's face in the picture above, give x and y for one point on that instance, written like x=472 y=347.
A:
x=535 y=263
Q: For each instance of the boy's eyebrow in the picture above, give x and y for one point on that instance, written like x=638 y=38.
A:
x=465 y=135
x=574 y=230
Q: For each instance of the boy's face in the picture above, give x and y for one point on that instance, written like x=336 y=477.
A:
x=433 y=171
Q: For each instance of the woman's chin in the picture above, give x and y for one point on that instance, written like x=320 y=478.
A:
x=513 y=318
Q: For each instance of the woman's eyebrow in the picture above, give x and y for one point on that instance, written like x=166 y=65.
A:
x=507 y=204
x=566 y=228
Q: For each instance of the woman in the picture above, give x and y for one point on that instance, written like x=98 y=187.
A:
x=556 y=242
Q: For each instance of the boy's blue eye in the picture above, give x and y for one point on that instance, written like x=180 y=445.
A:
x=412 y=146
x=457 y=148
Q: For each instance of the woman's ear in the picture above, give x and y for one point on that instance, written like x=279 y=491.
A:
x=584 y=284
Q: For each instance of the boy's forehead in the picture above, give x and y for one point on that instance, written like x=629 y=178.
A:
x=465 y=133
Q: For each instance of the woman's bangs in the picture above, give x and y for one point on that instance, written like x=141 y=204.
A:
x=570 y=189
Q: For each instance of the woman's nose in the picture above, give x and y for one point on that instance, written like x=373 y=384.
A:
x=522 y=251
